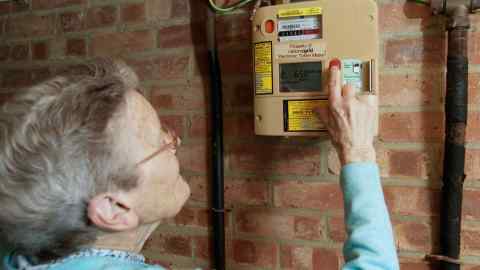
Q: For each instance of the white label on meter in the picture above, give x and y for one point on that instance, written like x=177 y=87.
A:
x=300 y=28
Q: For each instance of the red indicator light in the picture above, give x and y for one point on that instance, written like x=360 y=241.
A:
x=269 y=26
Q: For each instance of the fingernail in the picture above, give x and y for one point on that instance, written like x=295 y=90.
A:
x=335 y=63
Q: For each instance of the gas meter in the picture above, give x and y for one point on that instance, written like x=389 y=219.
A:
x=292 y=47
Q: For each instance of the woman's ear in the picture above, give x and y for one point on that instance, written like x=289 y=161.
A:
x=108 y=212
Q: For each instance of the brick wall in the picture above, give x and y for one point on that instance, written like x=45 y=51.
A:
x=285 y=207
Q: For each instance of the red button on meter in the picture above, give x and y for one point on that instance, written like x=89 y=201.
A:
x=269 y=26
x=335 y=63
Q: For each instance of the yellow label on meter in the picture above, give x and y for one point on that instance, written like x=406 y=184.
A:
x=263 y=68
x=297 y=12
x=299 y=115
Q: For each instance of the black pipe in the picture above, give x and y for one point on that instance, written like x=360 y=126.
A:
x=456 y=110
x=218 y=209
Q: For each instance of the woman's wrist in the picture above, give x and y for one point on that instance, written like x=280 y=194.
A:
x=357 y=154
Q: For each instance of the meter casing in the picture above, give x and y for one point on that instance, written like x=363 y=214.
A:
x=292 y=47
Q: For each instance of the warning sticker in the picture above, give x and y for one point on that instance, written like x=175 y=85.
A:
x=263 y=68
x=299 y=115
x=297 y=12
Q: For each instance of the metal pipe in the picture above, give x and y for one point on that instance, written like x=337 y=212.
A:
x=218 y=208
x=456 y=110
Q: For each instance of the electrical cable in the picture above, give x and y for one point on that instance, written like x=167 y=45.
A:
x=229 y=8
x=423 y=2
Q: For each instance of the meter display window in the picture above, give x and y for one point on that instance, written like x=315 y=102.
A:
x=301 y=77
x=300 y=28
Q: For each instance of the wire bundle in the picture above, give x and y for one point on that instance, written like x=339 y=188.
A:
x=231 y=8
x=423 y=2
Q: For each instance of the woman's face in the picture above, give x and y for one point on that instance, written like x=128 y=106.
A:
x=161 y=191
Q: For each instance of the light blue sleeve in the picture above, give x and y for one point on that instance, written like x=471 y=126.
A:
x=370 y=244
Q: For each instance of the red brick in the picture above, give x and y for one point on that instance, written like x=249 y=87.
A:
x=417 y=266
x=474 y=47
x=246 y=191
x=321 y=196
x=325 y=259
x=278 y=159
x=472 y=164
x=76 y=47
x=473 y=127
x=178 y=36
x=30 y=25
x=427 y=50
x=101 y=16
x=406 y=16
x=202 y=218
x=474 y=88
x=162 y=263
x=406 y=163
x=171 y=67
x=179 y=97
x=270 y=223
x=308 y=228
x=20 y=7
x=122 y=42
x=470 y=239
x=471 y=202
x=48 y=4
x=199 y=126
x=296 y=257
x=262 y=254
x=193 y=157
x=3 y=22
x=334 y=165
x=5 y=7
x=199 y=186
x=4 y=97
x=72 y=21
x=412 y=201
x=159 y=9
x=238 y=191
x=19 y=52
x=411 y=126
x=413 y=236
x=170 y=244
x=236 y=62
x=40 y=74
x=180 y=9
x=40 y=51
x=174 y=122
x=16 y=78
x=336 y=229
x=144 y=68
x=410 y=89
x=239 y=126
x=4 y=52
x=265 y=222
x=186 y=217
x=167 y=67
x=201 y=65
x=202 y=247
x=133 y=13
x=234 y=28
x=238 y=95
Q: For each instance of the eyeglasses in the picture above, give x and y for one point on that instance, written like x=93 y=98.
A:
x=172 y=142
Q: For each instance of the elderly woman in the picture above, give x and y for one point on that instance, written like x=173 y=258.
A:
x=85 y=162
x=87 y=171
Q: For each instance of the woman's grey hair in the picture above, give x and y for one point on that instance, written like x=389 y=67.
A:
x=56 y=153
